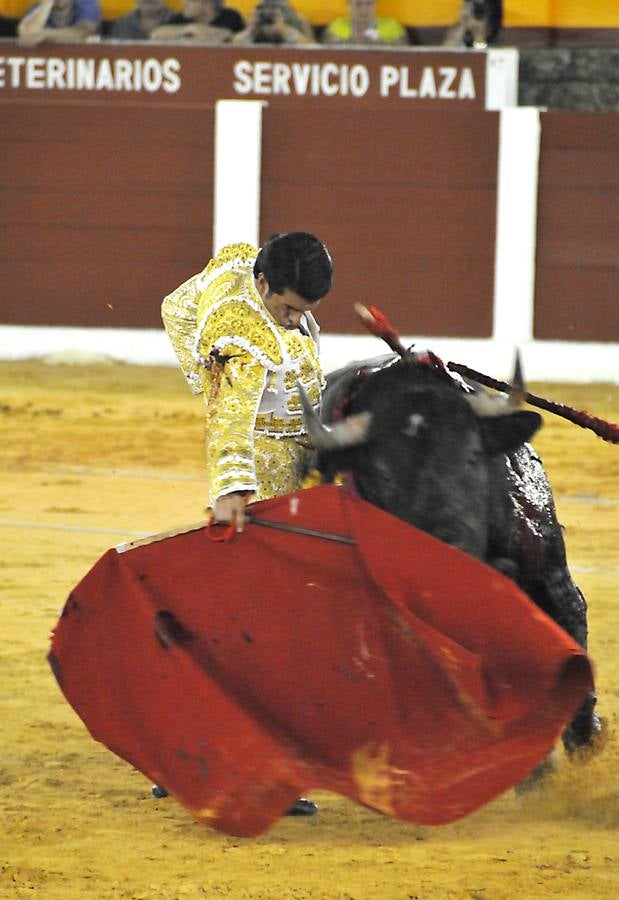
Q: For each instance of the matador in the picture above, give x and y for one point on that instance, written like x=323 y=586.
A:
x=244 y=334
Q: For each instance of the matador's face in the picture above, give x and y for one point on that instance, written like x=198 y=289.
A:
x=288 y=308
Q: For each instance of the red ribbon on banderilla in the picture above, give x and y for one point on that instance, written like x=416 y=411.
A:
x=378 y=324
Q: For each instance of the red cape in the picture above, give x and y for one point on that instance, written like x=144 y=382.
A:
x=397 y=671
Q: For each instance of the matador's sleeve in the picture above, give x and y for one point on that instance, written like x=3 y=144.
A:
x=231 y=417
x=242 y=349
x=180 y=309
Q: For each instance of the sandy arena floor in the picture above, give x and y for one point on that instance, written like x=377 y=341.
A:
x=92 y=456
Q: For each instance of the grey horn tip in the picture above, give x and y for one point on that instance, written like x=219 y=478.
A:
x=347 y=433
x=517 y=394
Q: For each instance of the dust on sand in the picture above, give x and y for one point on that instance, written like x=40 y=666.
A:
x=95 y=455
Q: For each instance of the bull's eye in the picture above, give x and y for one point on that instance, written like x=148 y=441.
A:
x=415 y=422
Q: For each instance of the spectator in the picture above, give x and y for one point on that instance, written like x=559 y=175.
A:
x=293 y=18
x=479 y=24
x=57 y=21
x=8 y=27
x=363 y=26
x=139 y=24
x=208 y=21
x=276 y=22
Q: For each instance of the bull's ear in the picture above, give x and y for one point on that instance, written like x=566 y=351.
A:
x=504 y=433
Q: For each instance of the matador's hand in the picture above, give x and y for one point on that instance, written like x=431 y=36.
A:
x=231 y=508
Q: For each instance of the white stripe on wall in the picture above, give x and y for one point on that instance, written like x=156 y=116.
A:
x=542 y=360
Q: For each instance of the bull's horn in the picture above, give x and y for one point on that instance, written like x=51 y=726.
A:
x=517 y=393
x=486 y=405
x=347 y=433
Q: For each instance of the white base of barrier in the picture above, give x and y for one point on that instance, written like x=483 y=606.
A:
x=558 y=361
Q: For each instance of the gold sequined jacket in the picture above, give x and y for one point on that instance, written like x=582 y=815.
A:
x=231 y=349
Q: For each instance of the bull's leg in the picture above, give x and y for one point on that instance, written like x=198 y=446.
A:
x=525 y=531
x=584 y=728
x=563 y=601
x=584 y=733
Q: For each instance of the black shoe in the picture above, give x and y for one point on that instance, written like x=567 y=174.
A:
x=159 y=792
x=303 y=807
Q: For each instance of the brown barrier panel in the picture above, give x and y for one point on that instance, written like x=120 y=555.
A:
x=577 y=282
x=105 y=210
x=406 y=204
x=106 y=186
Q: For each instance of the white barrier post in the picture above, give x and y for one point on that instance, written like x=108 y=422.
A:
x=238 y=167
x=516 y=225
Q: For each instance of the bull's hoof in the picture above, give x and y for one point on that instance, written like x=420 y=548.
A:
x=303 y=807
x=535 y=779
x=596 y=743
x=159 y=792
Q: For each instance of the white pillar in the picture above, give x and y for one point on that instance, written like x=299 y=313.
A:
x=238 y=164
x=516 y=224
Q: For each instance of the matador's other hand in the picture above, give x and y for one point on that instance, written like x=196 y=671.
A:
x=231 y=508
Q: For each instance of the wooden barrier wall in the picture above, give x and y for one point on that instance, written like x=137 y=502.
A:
x=408 y=205
x=106 y=185
x=577 y=285
x=103 y=210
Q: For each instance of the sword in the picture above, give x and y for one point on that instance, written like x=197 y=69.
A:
x=296 y=529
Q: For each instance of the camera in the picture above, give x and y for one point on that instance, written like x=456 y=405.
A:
x=266 y=17
x=479 y=24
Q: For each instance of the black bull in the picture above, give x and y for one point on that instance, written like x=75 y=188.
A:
x=415 y=443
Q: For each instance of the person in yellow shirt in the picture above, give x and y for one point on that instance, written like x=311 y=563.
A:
x=244 y=334
x=363 y=26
